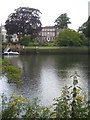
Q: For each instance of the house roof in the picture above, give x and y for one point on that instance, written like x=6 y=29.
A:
x=49 y=27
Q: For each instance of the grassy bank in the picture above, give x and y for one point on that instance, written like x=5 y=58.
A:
x=54 y=50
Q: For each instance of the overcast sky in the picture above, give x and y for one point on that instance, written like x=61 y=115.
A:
x=77 y=10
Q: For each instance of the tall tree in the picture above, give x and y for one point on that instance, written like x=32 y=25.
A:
x=24 y=21
x=62 y=21
x=85 y=28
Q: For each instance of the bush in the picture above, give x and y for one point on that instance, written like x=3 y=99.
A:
x=12 y=73
x=51 y=44
x=33 y=44
x=14 y=107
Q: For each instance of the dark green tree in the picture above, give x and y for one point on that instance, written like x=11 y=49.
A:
x=70 y=37
x=85 y=28
x=62 y=21
x=25 y=40
x=24 y=21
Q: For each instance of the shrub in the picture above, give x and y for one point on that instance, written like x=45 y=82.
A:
x=12 y=73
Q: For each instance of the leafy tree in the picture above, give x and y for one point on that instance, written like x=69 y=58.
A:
x=71 y=38
x=85 y=28
x=62 y=21
x=25 y=40
x=24 y=21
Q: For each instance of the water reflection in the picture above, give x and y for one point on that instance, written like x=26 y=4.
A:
x=45 y=75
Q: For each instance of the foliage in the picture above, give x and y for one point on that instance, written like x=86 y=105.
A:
x=33 y=43
x=64 y=104
x=25 y=40
x=84 y=39
x=9 y=39
x=85 y=28
x=12 y=73
x=36 y=43
x=34 y=110
x=51 y=44
x=14 y=107
x=71 y=38
x=24 y=21
x=62 y=21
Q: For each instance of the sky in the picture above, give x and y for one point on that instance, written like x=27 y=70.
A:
x=77 y=10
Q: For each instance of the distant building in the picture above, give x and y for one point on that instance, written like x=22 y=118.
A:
x=4 y=35
x=49 y=33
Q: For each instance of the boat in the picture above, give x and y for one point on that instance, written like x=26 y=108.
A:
x=11 y=53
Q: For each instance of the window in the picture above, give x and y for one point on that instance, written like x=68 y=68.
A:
x=53 y=29
x=53 y=34
x=42 y=29
x=15 y=36
x=48 y=32
x=42 y=33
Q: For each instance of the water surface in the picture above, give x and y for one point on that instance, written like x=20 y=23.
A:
x=45 y=75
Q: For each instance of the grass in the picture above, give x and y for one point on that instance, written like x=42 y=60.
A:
x=41 y=47
x=55 y=50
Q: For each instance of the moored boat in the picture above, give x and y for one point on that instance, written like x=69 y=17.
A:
x=11 y=53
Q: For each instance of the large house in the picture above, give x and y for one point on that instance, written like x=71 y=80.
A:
x=49 y=33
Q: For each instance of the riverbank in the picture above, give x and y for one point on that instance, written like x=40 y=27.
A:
x=55 y=50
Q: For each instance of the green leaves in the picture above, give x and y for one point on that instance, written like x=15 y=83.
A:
x=85 y=28
x=12 y=73
x=62 y=108
x=25 y=40
x=62 y=21
x=71 y=38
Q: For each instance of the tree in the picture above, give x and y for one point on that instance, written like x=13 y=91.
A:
x=24 y=21
x=25 y=40
x=71 y=38
x=85 y=28
x=62 y=21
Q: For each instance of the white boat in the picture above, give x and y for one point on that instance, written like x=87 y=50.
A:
x=11 y=53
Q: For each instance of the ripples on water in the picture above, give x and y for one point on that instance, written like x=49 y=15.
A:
x=45 y=75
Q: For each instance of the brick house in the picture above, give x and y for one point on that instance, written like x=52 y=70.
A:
x=49 y=33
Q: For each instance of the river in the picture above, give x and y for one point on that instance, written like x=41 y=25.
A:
x=45 y=75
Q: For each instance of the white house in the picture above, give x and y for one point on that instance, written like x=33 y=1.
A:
x=14 y=37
